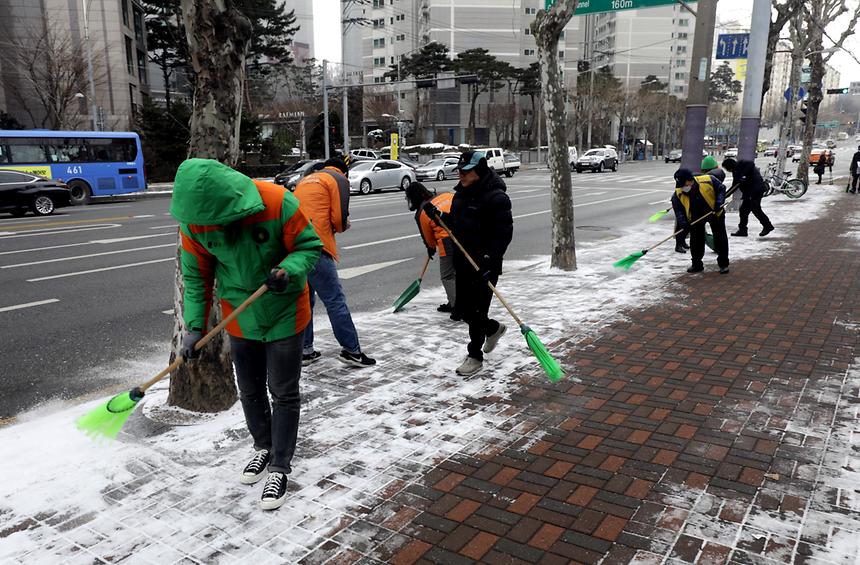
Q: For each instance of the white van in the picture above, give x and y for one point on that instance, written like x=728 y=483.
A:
x=496 y=160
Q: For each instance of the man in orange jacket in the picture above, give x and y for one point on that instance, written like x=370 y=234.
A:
x=324 y=198
x=435 y=237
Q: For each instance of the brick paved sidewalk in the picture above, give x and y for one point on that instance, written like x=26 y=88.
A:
x=718 y=428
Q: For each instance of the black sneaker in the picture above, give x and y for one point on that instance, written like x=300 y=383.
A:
x=447 y=308
x=724 y=270
x=679 y=248
x=274 y=492
x=256 y=467
x=309 y=358
x=739 y=233
x=356 y=359
x=695 y=269
x=765 y=231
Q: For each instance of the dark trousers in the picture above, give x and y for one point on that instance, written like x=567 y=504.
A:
x=752 y=204
x=721 y=240
x=277 y=364
x=473 y=304
x=854 y=177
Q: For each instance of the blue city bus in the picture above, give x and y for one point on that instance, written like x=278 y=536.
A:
x=91 y=163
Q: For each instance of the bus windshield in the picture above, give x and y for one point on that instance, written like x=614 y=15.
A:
x=91 y=163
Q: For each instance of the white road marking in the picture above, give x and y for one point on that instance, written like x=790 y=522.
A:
x=164 y=227
x=168 y=312
x=29 y=305
x=94 y=241
x=144 y=216
x=381 y=217
x=381 y=241
x=45 y=232
x=657 y=202
x=353 y=272
x=129 y=265
x=31 y=263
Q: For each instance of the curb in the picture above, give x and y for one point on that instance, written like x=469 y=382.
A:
x=134 y=196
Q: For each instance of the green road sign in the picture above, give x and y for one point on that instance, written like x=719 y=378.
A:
x=600 y=6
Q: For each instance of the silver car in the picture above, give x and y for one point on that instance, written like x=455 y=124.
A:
x=438 y=169
x=368 y=176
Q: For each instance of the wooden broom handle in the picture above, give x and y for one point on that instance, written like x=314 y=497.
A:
x=206 y=338
x=478 y=269
x=424 y=268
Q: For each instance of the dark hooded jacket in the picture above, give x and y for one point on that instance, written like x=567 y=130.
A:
x=481 y=220
x=748 y=177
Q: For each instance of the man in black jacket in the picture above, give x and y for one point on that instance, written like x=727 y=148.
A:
x=748 y=179
x=854 y=169
x=481 y=220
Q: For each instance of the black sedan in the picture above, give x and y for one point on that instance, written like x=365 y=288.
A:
x=22 y=192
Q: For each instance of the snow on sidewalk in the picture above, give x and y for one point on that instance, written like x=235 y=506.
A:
x=164 y=493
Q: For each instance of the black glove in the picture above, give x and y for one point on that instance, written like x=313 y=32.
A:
x=186 y=348
x=277 y=280
x=431 y=251
x=431 y=210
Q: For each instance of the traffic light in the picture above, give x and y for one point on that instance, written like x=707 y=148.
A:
x=845 y=90
x=804 y=108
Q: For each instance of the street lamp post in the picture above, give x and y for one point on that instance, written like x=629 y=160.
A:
x=93 y=106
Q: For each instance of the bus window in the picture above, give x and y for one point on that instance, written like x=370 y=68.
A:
x=112 y=150
x=4 y=154
x=26 y=150
x=66 y=150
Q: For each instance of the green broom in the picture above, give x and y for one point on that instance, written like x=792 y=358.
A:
x=107 y=419
x=659 y=215
x=412 y=290
x=550 y=366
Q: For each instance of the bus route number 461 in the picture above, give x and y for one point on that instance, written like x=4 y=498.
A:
x=76 y=170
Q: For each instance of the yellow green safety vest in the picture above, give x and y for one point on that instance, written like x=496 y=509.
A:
x=706 y=189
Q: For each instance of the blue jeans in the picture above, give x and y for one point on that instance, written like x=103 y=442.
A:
x=276 y=365
x=323 y=281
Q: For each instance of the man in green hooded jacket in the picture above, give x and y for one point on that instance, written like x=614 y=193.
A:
x=245 y=233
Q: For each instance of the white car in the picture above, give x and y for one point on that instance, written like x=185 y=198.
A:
x=731 y=152
x=496 y=160
x=437 y=169
x=597 y=160
x=363 y=154
x=572 y=157
x=369 y=176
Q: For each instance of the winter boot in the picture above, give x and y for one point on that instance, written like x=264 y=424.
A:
x=724 y=270
x=696 y=269
x=447 y=308
x=679 y=248
x=256 y=467
x=765 y=230
x=274 y=492
x=469 y=367
x=493 y=339
x=310 y=358
x=740 y=233
x=356 y=359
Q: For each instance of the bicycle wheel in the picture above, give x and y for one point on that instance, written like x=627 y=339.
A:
x=795 y=188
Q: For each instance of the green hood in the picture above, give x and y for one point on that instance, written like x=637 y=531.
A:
x=209 y=193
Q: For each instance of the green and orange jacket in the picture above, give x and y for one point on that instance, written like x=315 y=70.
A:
x=433 y=234
x=264 y=229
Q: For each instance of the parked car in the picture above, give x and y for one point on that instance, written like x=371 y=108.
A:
x=572 y=157
x=291 y=177
x=831 y=144
x=772 y=151
x=403 y=158
x=22 y=192
x=496 y=161
x=437 y=169
x=512 y=162
x=364 y=154
x=674 y=156
x=368 y=176
x=821 y=153
x=731 y=152
x=598 y=160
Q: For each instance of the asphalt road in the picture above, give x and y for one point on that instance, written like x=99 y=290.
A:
x=90 y=288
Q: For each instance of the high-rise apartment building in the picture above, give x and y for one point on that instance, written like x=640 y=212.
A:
x=303 y=40
x=117 y=42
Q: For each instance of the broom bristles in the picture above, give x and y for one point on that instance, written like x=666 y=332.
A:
x=550 y=366
x=658 y=215
x=108 y=419
x=628 y=261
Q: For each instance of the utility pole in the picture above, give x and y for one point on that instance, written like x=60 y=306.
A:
x=345 y=120
x=325 y=106
x=697 y=97
x=756 y=59
x=93 y=106
x=791 y=99
x=540 y=105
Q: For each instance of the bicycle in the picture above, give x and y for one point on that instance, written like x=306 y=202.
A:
x=793 y=188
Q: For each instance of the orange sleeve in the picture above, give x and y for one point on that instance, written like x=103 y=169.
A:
x=425 y=226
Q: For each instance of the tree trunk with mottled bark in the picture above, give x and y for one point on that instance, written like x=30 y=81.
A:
x=547 y=29
x=218 y=38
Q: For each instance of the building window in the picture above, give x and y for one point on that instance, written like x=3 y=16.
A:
x=379 y=23
x=378 y=79
x=528 y=52
x=528 y=31
x=682 y=49
x=124 y=12
x=683 y=22
x=562 y=35
x=380 y=42
x=531 y=11
x=378 y=3
x=132 y=100
x=129 y=56
x=680 y=76
x=138 y=26
x=561 y=54
x=141 y=66
x=379 y=61
x=679 y=90
x=400 y=18
x=682 y=35
x=401 y=37
x=680 y=63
